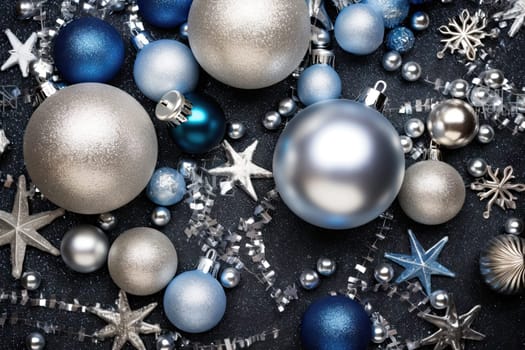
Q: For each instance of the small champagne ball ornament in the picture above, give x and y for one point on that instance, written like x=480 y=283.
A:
x=195 y=301
x=84 y=248
x=160 y=216
x=31 y=280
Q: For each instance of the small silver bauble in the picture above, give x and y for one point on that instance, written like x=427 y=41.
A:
x=439 y=299
x=453 y=123
x=230 y=277
x=326 y=266
x=406 y=143
x=107 y=221
x=165 y=342
x=272 y=120
x=493 y=78
x=26 y=9
x=35 y=341
x=31 y=280
x=486 y=134
x=320 y=38
x=411 y=71
x=236 y=130
x=414 y=128
x=379 y=333
x=160 y=216
x=287 y=107
x=477 y=167
x=479 y=96
x=309 y=279
x=84 y=248
x=459 y=88
x=383 y=273
x=187 y=168
x=183 y=31
x=392 y=61
x=368 y=307
x=419 y=21
x=513 y=226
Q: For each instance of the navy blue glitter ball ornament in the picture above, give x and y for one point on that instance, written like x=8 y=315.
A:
x=165 y=13
x=393 y=11
x=204 y=128
x=88 y=50
x=335 y=323
x=400 y=39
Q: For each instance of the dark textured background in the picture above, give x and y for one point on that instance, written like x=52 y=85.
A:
x=292 y=245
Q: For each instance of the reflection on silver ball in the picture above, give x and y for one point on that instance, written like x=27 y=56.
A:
x=309 y=279
x=411 y=71
x=406 y=143
x=486 y=134
x=160 y=216
x=272 y=120
x=31 y=280
x=142 y=261
x=391 y=61
x=494 y=78
x=453 y=123
x=379 y=333
x=326 y=266
x=513 y=226
x=433 y=192
x=187 y=167
x=419 y=21
x=236 y=130
x=459 y=88
x=439 y=299
x=249 y=44
x=477 y=167
x=165 y=343
x=383 y=273
x=230 y=277
x=107 y=221
x=35 y=341
x=414 y=128
x=84 y=248
x=86 y=157
x=287 y=107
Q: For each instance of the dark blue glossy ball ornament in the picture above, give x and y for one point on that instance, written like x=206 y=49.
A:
x=165 y=13
x=204 y=128
x=335 y=323
x=88 y=50
x=400 y=39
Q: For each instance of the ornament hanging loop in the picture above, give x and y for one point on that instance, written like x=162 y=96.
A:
x=209 y=264
x=374 y=97
x=434 y=153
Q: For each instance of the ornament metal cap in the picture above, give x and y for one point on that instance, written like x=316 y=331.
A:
x=322 y=56
x=434 y=153
x=208 y=263
x=43 y=91
x=374 y=97
x=174 y=108
x=139 y=39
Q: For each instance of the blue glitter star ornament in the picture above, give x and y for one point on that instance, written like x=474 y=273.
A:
x=421 y=264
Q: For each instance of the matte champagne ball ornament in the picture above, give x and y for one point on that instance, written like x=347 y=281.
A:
x=90 y=148
x=249 y=44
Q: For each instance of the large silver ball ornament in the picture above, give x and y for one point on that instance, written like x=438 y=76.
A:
x=84 y=248
x=249 y=44
x=90 y=148
x=142 y=261
x=338 y=164
x=453 y=123
x=433 y=192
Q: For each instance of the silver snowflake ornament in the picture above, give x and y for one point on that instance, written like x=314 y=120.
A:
x=21 y=54
x=515 y=11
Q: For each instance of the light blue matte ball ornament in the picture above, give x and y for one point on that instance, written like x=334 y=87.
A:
x=165 y=13
x=165 y=65
x=359 y=29
x=317 y=83
x=166 y=187
x=393 y=11
x=400 y=39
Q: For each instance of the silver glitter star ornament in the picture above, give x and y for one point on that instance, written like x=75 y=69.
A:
x=125 y=324
x=453 y=329
x=421 y=264
x=240 y=169
x=21 y=54
x=18 y=229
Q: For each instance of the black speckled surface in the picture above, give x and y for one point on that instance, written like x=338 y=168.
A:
x=292 y=245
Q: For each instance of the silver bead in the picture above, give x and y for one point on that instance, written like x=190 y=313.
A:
x=236 y=130
x=26 y=9
x=287 y=107
x=379 y=333
x=439 y=299
x=84 y=248
x=187 y=167
x=419 y=21
x=165 y=342
x=31 y=280
x=309 y=279
x=183 y=31
x=391 y=61
x=368 y=308
x=161 y=216
x=479 y=96
x=107 y=221
x=35 y=341
x=406 y=143
x=493 y=78
x=411 y=71
x=513 y=226
x=272 y=120
x=414 y=128
x=320 y=38
x=459 y=88
x=477 y=167
x=383 y=273
x=230 y=277
x=486 y=134
x=326 y=266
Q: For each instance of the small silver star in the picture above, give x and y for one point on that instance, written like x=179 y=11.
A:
x=18 y=229
x=240 y=168
x=125 y=324
x=21 y=54
x=452 y=328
